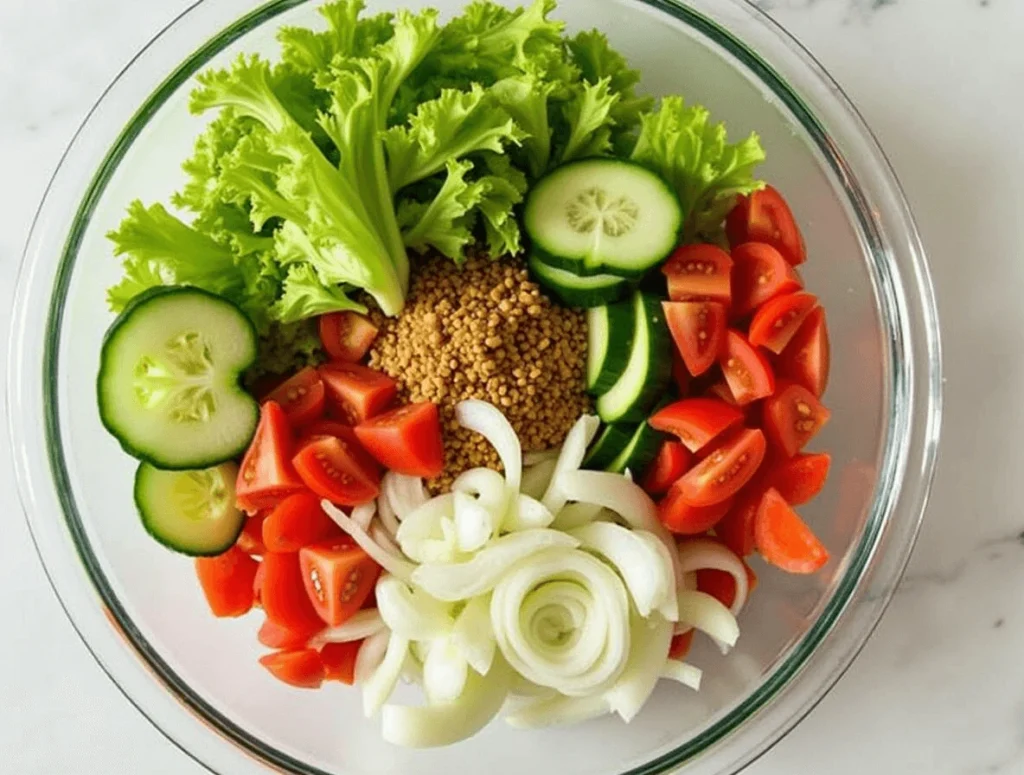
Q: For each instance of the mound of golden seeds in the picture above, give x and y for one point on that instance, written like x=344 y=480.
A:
x=485 y=330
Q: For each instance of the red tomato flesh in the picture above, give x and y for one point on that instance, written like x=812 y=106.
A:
x=227 y=582
x=777 y=322
x=800 y=479
x=736 y=529
x=340 y=661
x=284 y=594
x=722 y=586
x=759 y=274
x=251 y=539
x=303 y=669
x=784 y=540
x=338 y=579
x=274 y=636
x=725 y=471
x=764 y=216
x=328 y=467
x=698 y=330
x=671 y=462
x=298 y=521
x=347 y=336
x=681 y=645
x=266 y=475
x=696 y=421
x=806 y=359
x=685 y=519
x=406 y=440
x=747 y=372
x=792 y=417
x=699 y=272
x=302 y=397
x=346 y=434
x=357 y=392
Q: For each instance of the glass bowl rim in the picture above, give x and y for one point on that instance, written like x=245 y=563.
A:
x=897 y=447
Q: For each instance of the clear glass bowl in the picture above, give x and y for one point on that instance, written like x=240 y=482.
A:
x=196 y=678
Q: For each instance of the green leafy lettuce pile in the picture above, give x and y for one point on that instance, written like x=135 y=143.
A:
x=380 y=135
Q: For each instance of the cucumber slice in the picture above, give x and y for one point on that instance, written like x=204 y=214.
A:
x=191 y=512
x=604 y=215
x=608 y=446
x=610 y=332
x=647 y=374
x=638 y=452
x=168 y=387
x=575 y=291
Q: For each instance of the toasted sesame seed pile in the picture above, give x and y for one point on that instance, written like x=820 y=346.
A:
x=485 y=330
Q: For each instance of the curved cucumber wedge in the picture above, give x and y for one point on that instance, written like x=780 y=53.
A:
x=604 y=216
x=608 y=446
x=610 y=332
x=574 y=290
x=191 y=512
x=638 y=452
x=168 y=386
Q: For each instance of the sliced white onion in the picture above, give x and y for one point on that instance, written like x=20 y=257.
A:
x=387 y=516
x=421 y=535
x=708 y=615
x=537 y=478
x=403 y=493
x=489 y=422
x=474 y=636
x=411 y=613
x=393 y=564
x=370 y=655
x=484 y=484
x=527 y=513
x=474 y=522
x=542 y=456
x=682 y=672
x=646 y=571
x=562 y=620
x=380 y=685
x=575 y=515
x=363 y=515
x=549 y=711
x=384 y=539
x=701 y=553
x=669 y=608
x=613 y=492
x=650 y=642
x=570 y=459
x=445 y=671
x=460 y=581
x=361 y=625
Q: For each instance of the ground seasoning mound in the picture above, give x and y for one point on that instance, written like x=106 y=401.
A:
x=485 y=330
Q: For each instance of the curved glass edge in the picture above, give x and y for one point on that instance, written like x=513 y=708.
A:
x=902 y=392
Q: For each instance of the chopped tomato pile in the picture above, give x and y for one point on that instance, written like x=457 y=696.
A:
x=325 y=433
x=752 y=363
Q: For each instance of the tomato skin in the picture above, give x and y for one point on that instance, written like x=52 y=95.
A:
x=747 y=372
x=725 y=471
x=807 y=357
x=266 y=474
x=736 y=529
x=338 y=578
x=357 y=392
x=298 y=521
x=274 y=636
x=346 y=434
x=302 y=397
x=340 y=661
x=683 y=518
x=759 y=274
x=800 y=479
x=227 y=582
x=699 y=272
x=328 y=468
x=251 y=539
x=722 y=586
x=696 y=421
x=302 y=669
x=672 y=461
x=777 y=322
x=347 y=336
x=698 y=330
x=765 y=216
x=681 y=645
x=406 y=440
x=784 y=540
x=792 y=417
x=284 y=594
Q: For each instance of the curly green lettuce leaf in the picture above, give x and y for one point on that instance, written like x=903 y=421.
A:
x=501 y=190
x=694 y=155
x=442 y=223
x=526 y=99
x=589 y=119
x=284 y=348
x=306 y=295
x=347 y=35
x=597 y=61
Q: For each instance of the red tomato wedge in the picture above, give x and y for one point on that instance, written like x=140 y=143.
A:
x=725 y=471
x=671 y=462
x=274 y=636
x=347 y=435
x=696 y=421
x=759 y=274
x=303 y=669
x=329 y=468
x=792 y=417
x=266 y=475
x=683 y=518
x=806 y=359
x=722 y=586
x=406 y=440
x=784 y=540
x=284 y=594
x=298 y=521
x=698 y=330
x=699 y=272
x=357 y=392
x=227 y=582
x=777 y=322
x=764 y=216
x=347 y=336
x=251 y=539
x=720 y=390
x=681 y=645
x=338 y=579
x=257 y=586
x=747 y=372
x=340 y=661
x=736 y=529
x=302 y=397
x=800 y=479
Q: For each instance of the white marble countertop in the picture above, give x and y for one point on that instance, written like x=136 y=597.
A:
x=939 y=688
